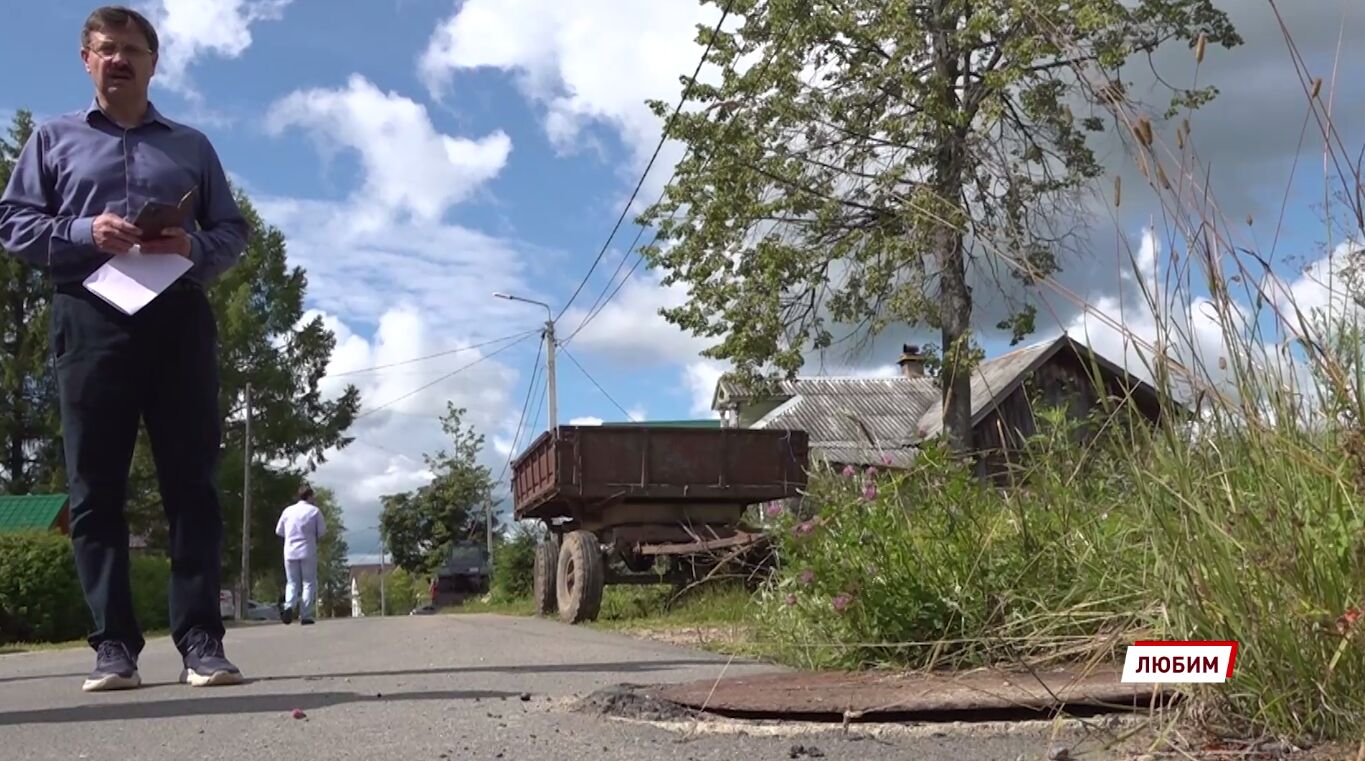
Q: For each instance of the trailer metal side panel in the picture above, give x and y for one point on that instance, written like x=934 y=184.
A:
x=587 y=466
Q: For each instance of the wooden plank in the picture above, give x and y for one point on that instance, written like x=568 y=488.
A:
x=688 y=548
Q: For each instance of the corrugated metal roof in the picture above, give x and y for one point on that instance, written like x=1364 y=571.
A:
x=30 y=511
x=854 y=412
x=893 y=458
x=871 y=420
x=991 y=379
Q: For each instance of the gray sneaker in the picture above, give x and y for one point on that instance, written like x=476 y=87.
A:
x=205 y=663
x=115 y=669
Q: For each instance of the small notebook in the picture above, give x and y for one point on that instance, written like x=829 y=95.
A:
x=130 y=281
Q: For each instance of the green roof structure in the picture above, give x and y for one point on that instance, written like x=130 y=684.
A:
x=30 y=512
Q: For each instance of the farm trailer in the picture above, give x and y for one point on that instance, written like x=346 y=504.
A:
x=630 y=495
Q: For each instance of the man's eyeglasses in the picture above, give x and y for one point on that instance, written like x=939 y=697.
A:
x=108 y=50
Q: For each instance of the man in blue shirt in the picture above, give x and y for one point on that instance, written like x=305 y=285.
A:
x=78 y=183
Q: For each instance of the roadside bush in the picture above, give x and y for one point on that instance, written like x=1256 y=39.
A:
x=401 y=593
x=514 y=565
x=151 y=578
x=932 y=567
x=39 y=588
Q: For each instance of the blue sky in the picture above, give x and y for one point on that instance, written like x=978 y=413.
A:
x=421 y=154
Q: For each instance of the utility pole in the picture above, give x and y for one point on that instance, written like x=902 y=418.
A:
x=550 y=375
x=246 y=514
x=549 y=356
x=383 y=601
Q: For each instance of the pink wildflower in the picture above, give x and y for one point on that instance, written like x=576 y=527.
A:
x=870 y=492
x=773 y=509
x=886 y=459
x=807 y=577
x=791 y=600
x=849 y=471
x=803 y=529
x=841 y=602
x=872 y=472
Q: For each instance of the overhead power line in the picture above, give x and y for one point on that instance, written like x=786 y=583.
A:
x=594 y=382
x=663 y=138
x=525 y=406
x=601 y=303
x=540 y=406
x=443 y=378
x=436 y=355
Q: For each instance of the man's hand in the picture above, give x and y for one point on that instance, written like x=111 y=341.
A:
x=114 y=234
x=173 y=240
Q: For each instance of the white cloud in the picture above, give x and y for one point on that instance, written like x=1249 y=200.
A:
x=586 y=421
x=1328 y=288
x=1210 y=340
x=193 y=29
x=1190 y=330
x=447 y=272
x=700 y=379
x=409 y=166
x=630 y=329
x=587 y=63
x=387 y=454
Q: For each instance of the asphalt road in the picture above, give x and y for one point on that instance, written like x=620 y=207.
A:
x=433 y=687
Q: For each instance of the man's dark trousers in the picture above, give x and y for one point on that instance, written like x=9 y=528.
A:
x=159 y=366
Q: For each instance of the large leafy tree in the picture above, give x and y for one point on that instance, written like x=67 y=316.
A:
x=419 y=526
x=849 y=173
x=30 y=432
x=334 y=577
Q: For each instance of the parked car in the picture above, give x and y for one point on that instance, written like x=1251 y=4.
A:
x=259 y=611
x=425 y=610
x=465 y=573
x=255 y=611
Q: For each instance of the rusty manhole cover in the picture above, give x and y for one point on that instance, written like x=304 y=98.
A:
x=936 y=696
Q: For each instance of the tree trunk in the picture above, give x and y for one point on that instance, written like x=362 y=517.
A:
x=955 y=305
x=955 y=300
x=18 y=423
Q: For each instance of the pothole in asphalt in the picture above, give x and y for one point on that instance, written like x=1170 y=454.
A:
x=635 y=702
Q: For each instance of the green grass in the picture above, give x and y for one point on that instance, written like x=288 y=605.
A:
x=718 y=617
x=659 y=606
x=15 y=648
x=515 y=607
x=713 y=617
x=40 y=647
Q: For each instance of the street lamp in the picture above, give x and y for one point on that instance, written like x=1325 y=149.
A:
x=550 y=392
x=549 y=352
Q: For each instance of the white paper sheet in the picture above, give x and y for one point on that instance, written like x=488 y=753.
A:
x=130 y=281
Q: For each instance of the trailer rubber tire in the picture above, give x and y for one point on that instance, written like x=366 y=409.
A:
x=543 y=588
x=580 y=578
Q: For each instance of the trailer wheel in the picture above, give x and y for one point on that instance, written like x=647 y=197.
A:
x=580 y=578
x=543 y=586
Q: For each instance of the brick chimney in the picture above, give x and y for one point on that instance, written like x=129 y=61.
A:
x=911 y=361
